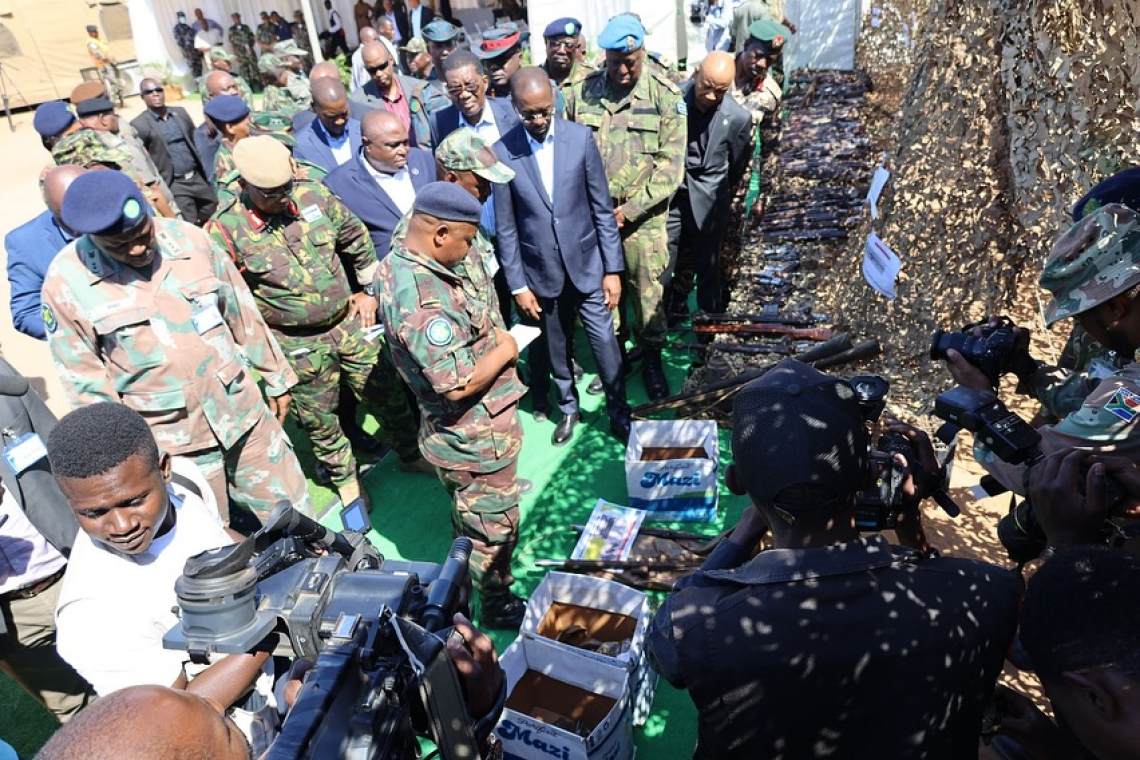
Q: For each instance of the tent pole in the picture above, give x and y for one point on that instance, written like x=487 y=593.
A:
x=311 y=25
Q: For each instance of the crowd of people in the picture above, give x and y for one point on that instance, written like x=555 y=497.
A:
x=367 y=246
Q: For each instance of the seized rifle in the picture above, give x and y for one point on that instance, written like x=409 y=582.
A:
x=791 y=320
x=737 y=348
x=756 y=328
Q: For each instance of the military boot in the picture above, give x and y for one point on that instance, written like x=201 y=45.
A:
x=502 y=612
x=656 y=386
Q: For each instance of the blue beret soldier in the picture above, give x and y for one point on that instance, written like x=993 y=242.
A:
x=145 y=311
x=54 y=120
x=454 y=353
x=230 y=116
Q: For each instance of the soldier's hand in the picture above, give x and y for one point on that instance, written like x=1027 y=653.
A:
x=528 y=304
x=279 y=405
x=364 y=305
x=477 y=664
x=611 y=290
x=505 y=338
x=966 y=374
x=620 y=218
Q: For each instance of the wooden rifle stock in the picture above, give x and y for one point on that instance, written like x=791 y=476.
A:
x=749 y=328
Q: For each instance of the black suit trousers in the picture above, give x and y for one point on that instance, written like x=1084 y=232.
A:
x=694 y=251
x=195 y=198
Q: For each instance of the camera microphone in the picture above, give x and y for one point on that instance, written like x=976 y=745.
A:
x=441 y=595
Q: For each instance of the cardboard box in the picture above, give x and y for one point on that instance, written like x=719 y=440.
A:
x=547 y=691
x=609 y=612
x=671 y=469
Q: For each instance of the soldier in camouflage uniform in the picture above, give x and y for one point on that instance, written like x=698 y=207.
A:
x=89 y=149
x=292 y=240
x=146 y=312
x=230 y=116
x=454 y=353
x=1093 y=273
x=266 y=34
x=562 y=62
x=220 y=60
x=242 y=41
x=285 y=91
x=639 y=121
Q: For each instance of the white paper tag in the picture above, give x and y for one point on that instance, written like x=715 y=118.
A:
x=24 y=452
x=878 y=182
x=881 y=266
x=207 y=318
x=311 y=213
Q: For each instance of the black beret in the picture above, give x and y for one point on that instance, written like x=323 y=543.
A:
x=448 y=201
x=226 y=109
x=93 y=106
x=1122 y=187
x=103 y=203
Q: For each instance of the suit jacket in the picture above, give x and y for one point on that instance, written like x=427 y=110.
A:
x=540 y=243
x=369 y=95
x=446 y=120
x=710 y=184
x=152 y=139
x=406 y=30
x=207 y=146
x=313 y=145
x=31 y=249
x=354 y=185
x=302 y=119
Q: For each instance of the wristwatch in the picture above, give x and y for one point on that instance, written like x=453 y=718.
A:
x=369 y=290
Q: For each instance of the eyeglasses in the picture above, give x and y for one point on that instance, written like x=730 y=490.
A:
x=471 y=89
x=153 y=90
x=533 y=116
x=274 y=193
x=374 y=69
x=564 y=44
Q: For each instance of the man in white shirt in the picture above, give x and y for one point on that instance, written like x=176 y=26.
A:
x=142 y=516
x=336 y=39
x=418 y=17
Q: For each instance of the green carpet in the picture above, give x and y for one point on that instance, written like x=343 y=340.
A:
x=411 y=514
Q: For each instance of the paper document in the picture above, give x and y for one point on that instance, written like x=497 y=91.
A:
x=878 y=182
x=880 y=266
x=610 y=532
x=524 y=335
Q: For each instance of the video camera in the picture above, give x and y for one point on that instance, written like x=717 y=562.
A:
x=381 y=674
x=992 y=350
x=877 y=507
x=1012 y=440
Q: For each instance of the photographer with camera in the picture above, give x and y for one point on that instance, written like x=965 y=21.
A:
x=895 y=649
x=1093 y=272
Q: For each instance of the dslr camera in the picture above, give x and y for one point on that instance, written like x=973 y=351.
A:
x=992 y=351
x=877 y=506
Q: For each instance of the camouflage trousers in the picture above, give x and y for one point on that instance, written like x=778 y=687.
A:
x=485 y=508
x=320 y=360
x=257 y=472
x=646 y=276
x=247 y=64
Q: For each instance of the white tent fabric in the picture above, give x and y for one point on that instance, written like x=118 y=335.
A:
x=828 y=31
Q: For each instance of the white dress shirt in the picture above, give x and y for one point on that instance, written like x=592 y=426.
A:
x=544 y=157
x=398 y=186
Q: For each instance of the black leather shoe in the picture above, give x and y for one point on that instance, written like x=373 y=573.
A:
x=366 y=444
x=620 y=429
x=656 y=386
x=595 y=388
x=502 y=611
x=577 y=371
x=565 y=430
x=525 y=486
x=540 y=415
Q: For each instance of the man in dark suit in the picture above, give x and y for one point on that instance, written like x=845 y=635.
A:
x=304 y=118
x=333 y=138
x=167 y=133
x=419 y=16
x=559 y=245
x=37 y=531
x=462 y=74
x=719 y=136
x=381 y=183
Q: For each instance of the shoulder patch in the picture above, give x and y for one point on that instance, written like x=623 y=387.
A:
x=682 y=107
x=1125 y=404
x=50 y=323
x=439 y=332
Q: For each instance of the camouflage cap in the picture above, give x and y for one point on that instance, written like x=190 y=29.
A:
x=275 y=124
x=1097 y=259
x=86 y=147
x=288 y=47
x=416 y=45
x=461 y=151
x=268 y=62
x=220 y=54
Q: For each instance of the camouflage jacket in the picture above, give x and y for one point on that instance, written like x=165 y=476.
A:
x=172 y=343
x=224 y=165
x=295 y=262
x=1084 y=363
x=439 y=333
x=241 y=38
x=266 y=35
x=274 y=98
x=230 y=185
x=579 y=71
x=184 y=38
x=641 y=135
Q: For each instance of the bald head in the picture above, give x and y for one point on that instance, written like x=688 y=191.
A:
x=376 y=121
x=56 y=183
x=323 y=70
x=385 y=140
x=713 y=80
x=719 y=67
x=220 y=83
x=328 y=90
x=528 y=80
x=368 y=34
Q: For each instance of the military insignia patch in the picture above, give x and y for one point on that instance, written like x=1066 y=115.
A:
x=570 y=30
x=630 y=43
x=49 y=319
x=132 y=209
x=439 y=332
x=682 y=108
x=1124 y=404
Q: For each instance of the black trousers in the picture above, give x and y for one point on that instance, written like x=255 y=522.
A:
x=195 y=198
x=694 y=251
x=334 y=42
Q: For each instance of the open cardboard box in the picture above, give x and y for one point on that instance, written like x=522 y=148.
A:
x=553 y=700
x=671 y=469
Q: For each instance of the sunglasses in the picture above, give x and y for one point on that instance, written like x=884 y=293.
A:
x=374 y=69
x=153 y=90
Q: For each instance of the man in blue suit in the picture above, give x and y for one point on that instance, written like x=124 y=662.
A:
x=333 y=138
x=32 y=247
x=559 y=245
x=381 y=183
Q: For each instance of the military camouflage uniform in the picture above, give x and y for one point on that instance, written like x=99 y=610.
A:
x=295 y=265
x=641 y=136
x=427 y=97
x=293 y=97
x=1084 y=363
x=242 y=40
x=87 y=147
x=266 y=36
x=578 y=71
x=224 y=166
x=174 y=344
x=108 y=69
x=184 y=37
x=440 y=330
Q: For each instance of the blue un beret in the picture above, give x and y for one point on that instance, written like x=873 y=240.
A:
x=624 y=33
x=226 y=109
x=1122 y=187
x=103 y=203
x=448 y=201
x=52 y=118
x=563 y=27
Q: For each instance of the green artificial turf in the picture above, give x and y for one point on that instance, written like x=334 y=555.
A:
x=411 y=516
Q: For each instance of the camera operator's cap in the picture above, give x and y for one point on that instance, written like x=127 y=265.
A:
x=263 y=161
x=449 y=202
x=103 y=203
x=794 y=426
x=440 y=31
x=289 y=47
x=94 y=107
x=1097 y=259
x=52 y=118
x=461 y=150
x=415 y=46
x=499 y=41
x=1122 y=187
x=563 y=27
x=87 y=90
x=623 y=33
x=268 y=62
x=771 y=33
x=227 y=109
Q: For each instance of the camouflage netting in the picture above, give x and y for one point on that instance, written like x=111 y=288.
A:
x=1013 y=110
